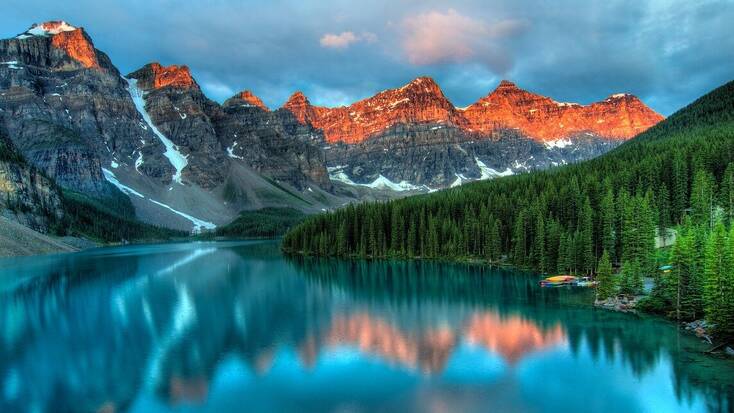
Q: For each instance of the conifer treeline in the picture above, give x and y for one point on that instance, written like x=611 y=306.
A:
x=701 y=281
x=560 y=220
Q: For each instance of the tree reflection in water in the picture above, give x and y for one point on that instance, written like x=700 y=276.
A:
x=155 y=327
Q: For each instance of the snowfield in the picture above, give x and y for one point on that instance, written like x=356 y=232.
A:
x=197 y=223
x=177 y=159
x=489 y=173
x=337 y=174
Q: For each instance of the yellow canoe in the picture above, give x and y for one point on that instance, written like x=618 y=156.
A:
x=560 y=278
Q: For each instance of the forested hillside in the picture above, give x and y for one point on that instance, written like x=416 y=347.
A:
x=29 y=197
x=562 y=220
x=265 y=222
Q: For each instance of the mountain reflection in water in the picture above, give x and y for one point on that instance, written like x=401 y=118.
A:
x=233 y=326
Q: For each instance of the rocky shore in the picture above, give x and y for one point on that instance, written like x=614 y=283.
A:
x=622 y=303
x=701 y=328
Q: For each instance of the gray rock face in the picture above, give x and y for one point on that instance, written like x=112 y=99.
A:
x=273 y=143
x=214 y=136
x=181 y=113
x=25 y=195
x=68 y=119
x=156 y=137
x=437 y=155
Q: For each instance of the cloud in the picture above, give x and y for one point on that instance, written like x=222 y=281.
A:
x=344 y=39
x=435 y=37
x=220 y=90
x=668 y=52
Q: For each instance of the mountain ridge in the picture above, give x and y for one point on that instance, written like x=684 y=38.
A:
x=507 y=106
x=157 y=137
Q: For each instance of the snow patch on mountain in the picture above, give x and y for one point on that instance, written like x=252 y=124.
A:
x=139 y=161
x=111 y=178
x=337 y=174
x=230 y=152
x=559 y=143
x=47 y=29
x=198 y=223
x=177 y=159
x=13 y=64
x=489 y=173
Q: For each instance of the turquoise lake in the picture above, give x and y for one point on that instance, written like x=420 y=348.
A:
x=236 y=326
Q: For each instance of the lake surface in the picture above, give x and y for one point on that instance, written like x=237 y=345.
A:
x=235 y=326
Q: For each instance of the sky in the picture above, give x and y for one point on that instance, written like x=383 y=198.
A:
x=668 y=53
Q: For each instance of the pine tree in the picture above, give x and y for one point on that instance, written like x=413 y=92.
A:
x=702 y=198
x=605 y=287
x=492 y=246
x=585 y=240
x=563 y=264
x=679 y=201
x=681 y=288
x=726 y=195
x=630 y=282
x=552 y=232
x=646 y=234
x=716 y=275
x=539 y=251
x=608 y=233
x=519 y=239
x=663 y=207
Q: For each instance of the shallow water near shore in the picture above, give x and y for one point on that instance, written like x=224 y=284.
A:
x=236 y=326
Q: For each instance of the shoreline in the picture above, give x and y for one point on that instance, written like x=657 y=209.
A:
x=697 y=328
x=627 y=305
x=78 y=244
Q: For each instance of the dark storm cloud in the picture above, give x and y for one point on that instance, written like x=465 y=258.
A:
x=337 y=51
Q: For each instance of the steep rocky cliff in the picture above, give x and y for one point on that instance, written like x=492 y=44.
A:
x=212 y=137
x=419 y=101
x=152 y=136
x=413 y=139
x=67 y=109
x=619 y=116
x=273 y=143
x=180 y=111
x=26 y=195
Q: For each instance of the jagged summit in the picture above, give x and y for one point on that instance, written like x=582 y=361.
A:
x=299 y=105
x=423 y=85
x=426 y=82
x=49 y=28
x=420 y=100
x=62 y=35
x=297 y=97
x=250 y=99
x=155 y=76
x=506 y=84
x=620 y=116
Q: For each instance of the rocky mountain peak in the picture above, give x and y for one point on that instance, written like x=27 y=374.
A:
x=49 y=28
x=297 y=98
x=156 y=76
x=251 y=99
x=73 y=40
x=423 y=89
x=422 y=84
x=507 y=85
x=299 y=105
x=421 y=101
x=78 y=46
x=620 y=116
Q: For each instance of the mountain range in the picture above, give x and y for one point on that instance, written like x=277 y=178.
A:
x=188 y=162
